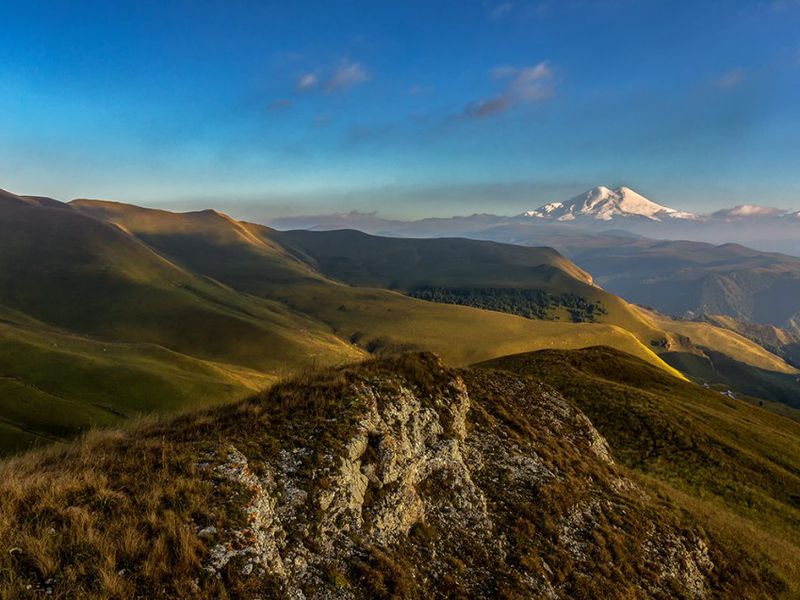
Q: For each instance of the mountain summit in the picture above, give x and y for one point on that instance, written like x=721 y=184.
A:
x=605 y=204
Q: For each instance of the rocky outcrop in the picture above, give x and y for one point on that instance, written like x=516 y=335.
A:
x=411 y=480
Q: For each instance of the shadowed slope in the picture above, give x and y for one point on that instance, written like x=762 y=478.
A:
x=71 y=270
x=407 y=264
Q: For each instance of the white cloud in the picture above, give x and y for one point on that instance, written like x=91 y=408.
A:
x=748 y=210
x=346 y=75
x=306 y=82
x=524 y=85
x=531 y=83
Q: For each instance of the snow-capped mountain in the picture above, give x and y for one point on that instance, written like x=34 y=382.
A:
x=604 y=204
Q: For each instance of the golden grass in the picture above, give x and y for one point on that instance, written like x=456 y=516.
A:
x=725 y=341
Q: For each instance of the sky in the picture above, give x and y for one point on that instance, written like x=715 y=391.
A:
x=407 y=108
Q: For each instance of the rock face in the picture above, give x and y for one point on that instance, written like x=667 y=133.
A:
x=405 y=479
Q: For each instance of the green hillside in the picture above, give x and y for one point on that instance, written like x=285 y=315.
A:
x=108 y=310
x=179 y=309
x=262 y=262
x=778 y=341
x=54 y=384
x=454 y=264
x=733 y=466
x=302 y=270
x=67 y=269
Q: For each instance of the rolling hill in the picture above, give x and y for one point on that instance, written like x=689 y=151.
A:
x=272 y=264
x=342 y=279
x=403 y=478
x=778 y=341
x=602 y=231
x=188 y=308
x=65 y=268
x=56 y=384
x=108 y=311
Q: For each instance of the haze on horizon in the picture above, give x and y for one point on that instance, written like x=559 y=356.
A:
x=413 y=109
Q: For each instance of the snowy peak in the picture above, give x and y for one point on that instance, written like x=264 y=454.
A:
x=605 y=204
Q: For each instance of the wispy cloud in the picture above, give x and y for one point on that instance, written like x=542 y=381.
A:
x=306 y=82
x=523 y=85
x=348 y=74
x=345 y=75
x=730 y=79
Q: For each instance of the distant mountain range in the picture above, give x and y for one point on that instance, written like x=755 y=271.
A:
x=599 y=209
x=619 y=237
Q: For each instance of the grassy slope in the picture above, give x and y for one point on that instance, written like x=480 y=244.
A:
x=376 y=261
x=732 y=465
x=282 y=266
x=150 y=335
x=207 y=286
x=55 y=384
x=727 y=359
x=70 y=270
x=403 y=264
x=774 y=339
x=260 y=262
x=728 y=342
x=381 y=320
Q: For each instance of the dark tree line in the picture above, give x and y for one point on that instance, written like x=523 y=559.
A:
x=532 y=304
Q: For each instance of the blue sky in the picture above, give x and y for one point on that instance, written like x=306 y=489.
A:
x=409 y=108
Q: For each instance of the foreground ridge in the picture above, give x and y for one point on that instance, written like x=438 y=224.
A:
x=395 y=478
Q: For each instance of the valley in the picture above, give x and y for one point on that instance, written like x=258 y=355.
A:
x=197 y=308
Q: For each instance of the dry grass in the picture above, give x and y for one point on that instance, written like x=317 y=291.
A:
x=732 y=466
x=117 y=513
x=77 y=519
